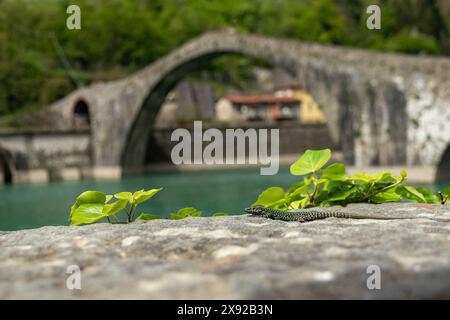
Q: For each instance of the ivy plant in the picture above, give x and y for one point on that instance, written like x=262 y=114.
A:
x=330 y=185
x=92 y=206
x=185 y=213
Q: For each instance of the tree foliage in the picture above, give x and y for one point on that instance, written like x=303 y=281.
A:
x=121 y=36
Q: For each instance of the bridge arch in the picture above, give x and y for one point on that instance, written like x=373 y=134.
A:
x=187 y=59
x=137 y=143
x=372 y=101
x=81 y=117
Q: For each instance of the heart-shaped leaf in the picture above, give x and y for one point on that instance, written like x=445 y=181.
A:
x=310 y=161
x=269 y=196
x=113 y=208
x=335 y=171
x=148 y=216
x=220 y=214
x=185 y=212
x=124 y=196
x=108 y=198
x=141 y=196
x=341 y=194
x=87 y=213
x=88 y=197
x=387 y=196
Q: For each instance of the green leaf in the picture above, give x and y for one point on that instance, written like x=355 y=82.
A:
x=141 y=196
x=295 y=186
x=429 y=195
x=338 y=185
x=108 y=198
x=446 y=191
x=386 y=178
x=387 y=196
x=299 y=191
x=322 y=196
x=270 y=196
x=93 y=197
x=113 y=208
x=185 y=212
x=411 y=193
x=362 y=177
x=176 y=216
x=87 y=213
x=336 y=171
x=380 y=177
x=295 y=204
x=341 y=194
x=148 y=216
x=304 y=203
x=310 y=161
x=124 y=196
x=220 y=214
x=280 y=203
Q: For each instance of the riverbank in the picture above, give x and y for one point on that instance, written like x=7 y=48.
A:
x=416 y=174
x=235 y=257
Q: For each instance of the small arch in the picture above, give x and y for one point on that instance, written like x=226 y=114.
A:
x=5 y=167
x=443 y=169
x=81 y=115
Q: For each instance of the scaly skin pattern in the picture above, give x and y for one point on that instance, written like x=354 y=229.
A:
x=305 y=215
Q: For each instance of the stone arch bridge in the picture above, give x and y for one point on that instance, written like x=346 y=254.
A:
x=383 y=109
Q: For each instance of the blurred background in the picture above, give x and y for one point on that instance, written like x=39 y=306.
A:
x=50 y=150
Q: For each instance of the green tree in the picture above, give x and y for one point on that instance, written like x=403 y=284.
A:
x=122 y=36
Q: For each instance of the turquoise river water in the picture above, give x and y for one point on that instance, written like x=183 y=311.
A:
x=230 y=191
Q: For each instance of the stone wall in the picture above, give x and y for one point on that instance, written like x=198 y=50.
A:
x=294 y=140
x=41 y=156
x=236 y=257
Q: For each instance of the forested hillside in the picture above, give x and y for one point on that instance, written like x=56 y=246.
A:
x=121 y=36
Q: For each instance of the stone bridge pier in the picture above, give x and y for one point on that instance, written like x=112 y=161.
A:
x=382 y=109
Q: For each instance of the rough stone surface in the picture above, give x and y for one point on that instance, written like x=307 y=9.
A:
x=237 y=257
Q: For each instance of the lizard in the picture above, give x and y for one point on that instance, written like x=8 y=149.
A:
x=311 y=214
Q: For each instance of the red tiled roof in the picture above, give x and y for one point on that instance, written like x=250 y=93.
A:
x=260 y=99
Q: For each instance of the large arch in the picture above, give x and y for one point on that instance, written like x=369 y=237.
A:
x=137 y=141
x=81 y=115
x=377 y=105
x=186 y=59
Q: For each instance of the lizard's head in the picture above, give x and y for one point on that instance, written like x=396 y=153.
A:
x=256 y=210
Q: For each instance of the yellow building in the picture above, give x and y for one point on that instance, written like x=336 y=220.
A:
x=310 y=112
x=288 y=102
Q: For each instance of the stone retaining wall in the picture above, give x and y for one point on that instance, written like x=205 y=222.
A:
x=236 y=257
